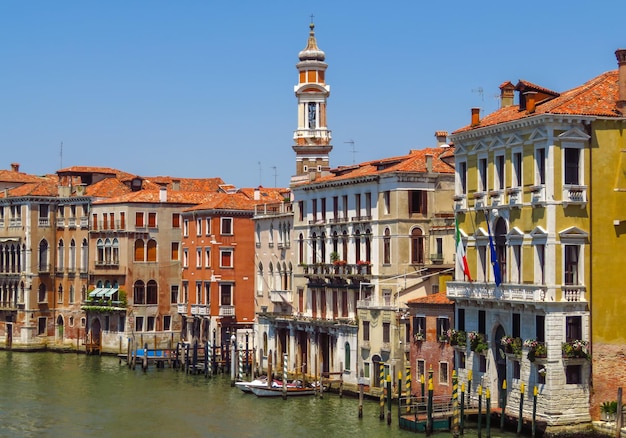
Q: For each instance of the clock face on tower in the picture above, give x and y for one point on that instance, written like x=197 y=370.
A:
x=312 y=115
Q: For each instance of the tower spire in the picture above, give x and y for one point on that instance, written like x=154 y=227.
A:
x=312 y=136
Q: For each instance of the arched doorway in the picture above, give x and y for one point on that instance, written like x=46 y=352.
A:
x=60 y=328
x=95 y=332
x=376 y=371
x=499 y=355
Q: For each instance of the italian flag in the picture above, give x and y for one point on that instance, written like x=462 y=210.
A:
x=461 y=260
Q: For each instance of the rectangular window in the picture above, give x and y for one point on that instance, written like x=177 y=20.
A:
x=185 y=258
x=419 y=328
x=571 y=264
x=541 y=262
x=516 y=329
x=482 y=175
x=167 y=322
x=175 y=220
x=138 y=323
x=463 y=177
x=335 y=207
x=517 y=169
x=366 y=330
x=122 y=220
x=573 y=328
x=139 y=222
x=344 y=205
x=185 y=298
x=418 y=201
x=387 y=201
x=443 y=373
x=443 y=325
x=499 y=184
x=540 y=159
x=516 y=272
x=107 y=323
x=41 y=326
x=112 y=221
x=185 y=227
x=323 y=208
x=460 y=314
x=198 y=257
x=226 y=294
x=572 y=164
x=314 y=209
x=207 y=257
x=152 y=220
x=420 y=370
x=574 y=374
x=208 y=226
x=174 y=294
x=516 y=369
x=461 y=360
x=482 y=363
x=301 y=211
x=482 y=262
x=207 y=293
x=175 y=251
x=198 y=227
x=226 y=226
x=482 y=323
x=198 y=292
x=121 y=324
x=368 y=204
x=386 y=332
x=226 y=258
x=357 y=205
x=151 y=320
x=540 y=328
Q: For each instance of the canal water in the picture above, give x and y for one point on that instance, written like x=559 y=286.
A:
x=69 y=395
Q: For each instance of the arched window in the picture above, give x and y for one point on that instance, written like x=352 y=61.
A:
x=387 y=247
x=60 y=255
x=115 y=246
x=335 y=243
x=152 y=250
x=84 y=256
x=100 y=251
x=139 y=251
x=72 y=258
x=347 y=356
x=152 y=292
x=107 y=251
x=139 y=292
x=417 y=247
x=271 y=235
x=344 y=246
x=72 y=297
x=43 y=256
x=259 y=279
x=285 y=277
x=60 y=295
x=271 y=276
x=301 y=249
x=368 y=246
x=357 y=245
x=42 y=293
x=323 y=248
x=500 y=244
x=257 y=235
x=314 y=244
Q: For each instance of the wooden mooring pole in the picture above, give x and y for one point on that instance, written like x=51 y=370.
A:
x=619 y=414
x=520 y=419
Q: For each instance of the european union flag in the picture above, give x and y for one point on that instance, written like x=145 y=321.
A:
x=497 y=275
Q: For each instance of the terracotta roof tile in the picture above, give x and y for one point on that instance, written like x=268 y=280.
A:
x=226 y=201
x=153 y=197
x=438 y=298
x=18 y=177
x=47 y=187
x=107 y=188
x=596 y=97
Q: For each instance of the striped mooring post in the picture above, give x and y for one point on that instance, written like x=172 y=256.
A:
x=382 y=393
x=285 y=376
x=407 y=379
x=240 y=363
x=455 y=404
x=503 y=404
x=209 y=357
x=520 y=418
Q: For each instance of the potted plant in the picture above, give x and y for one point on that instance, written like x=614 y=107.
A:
x=512 y=345
x=536 y=349
x=458 y=338
x=608 y=410
x=575 y=349
x=334 y=257
x=418 y=337
x=444 y=336
x=477 y=341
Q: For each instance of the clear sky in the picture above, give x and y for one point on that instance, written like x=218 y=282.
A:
x=205 y=88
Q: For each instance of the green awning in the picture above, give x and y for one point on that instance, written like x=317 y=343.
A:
x=110 y=292
x=96 y=292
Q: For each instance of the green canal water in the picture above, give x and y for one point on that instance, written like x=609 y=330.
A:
x=69 y=395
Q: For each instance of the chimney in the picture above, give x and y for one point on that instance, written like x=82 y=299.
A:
x=530 y=101
x=429 y=163
x=620 y=54
x=507 y=94
x=257 y=194
x=441 y=137
x=15 y=167
x=475 y=116
x=176 y=185
x=163 y=194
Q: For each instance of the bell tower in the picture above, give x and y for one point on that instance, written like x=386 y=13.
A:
x=312 y=138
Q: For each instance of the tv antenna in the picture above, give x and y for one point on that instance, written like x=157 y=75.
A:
x=354 y=151
x=480 y=91
x=275 y=173
x=260 y=174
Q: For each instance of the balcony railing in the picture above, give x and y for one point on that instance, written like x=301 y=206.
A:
x=312 y=133
x=460 y=202
x=107 y=263
x=44 y=222
x=496 y=197
x=60 y=222
x=281 y=296
x=72 y=222
x=200 y=309
x=505 y=292
x=515 y=196
x=227 y=311
x=15 y=222
x=375 y=303
x=330 y=269
x=537 y=194
x=182 y=308
x=574 y=194
x=436 y=258
x=84 y=222
x=573 y=293
x=364 y=218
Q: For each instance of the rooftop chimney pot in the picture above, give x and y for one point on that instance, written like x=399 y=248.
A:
x=475 y=116
x=15 y=167
x=620 y=54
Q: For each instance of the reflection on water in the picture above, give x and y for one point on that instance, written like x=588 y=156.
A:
x=67 y=395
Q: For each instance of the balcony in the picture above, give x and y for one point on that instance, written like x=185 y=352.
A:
x=316 y=221
x=15 y=222
x=496 y=197
x=573 y=293
x=107 y=264
x=322 y=134
x=44 y=269
x=341 y=270
x=436 y=259
x=182 y=309
x=505 y=292
x=200 y=309
x=227 y=311
x=71 y=222
x=338 y=220
x=281 y=296
x=460 y=203
x=366 y=218
x=575 y=195
x=1 y=223
x=515 y=196
x=537 y=195
x=44 y=222
x=84 y=222
x=60 y=222
x=375 y=303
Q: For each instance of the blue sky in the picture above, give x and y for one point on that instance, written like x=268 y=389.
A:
x=205 y=88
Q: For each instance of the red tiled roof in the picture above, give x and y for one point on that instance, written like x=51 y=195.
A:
x=187 y=184
x=414 y=162
x=596 y=97
x=226 y=201
x=266 y=194
x=107 y=188
x=153 y=197
x=438 y=298
x=46 y=187
x=18 y=177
